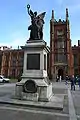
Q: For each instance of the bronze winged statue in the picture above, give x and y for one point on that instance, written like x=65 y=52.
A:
x=36 y=26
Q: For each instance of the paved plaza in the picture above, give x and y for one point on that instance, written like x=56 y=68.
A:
x=65 y=108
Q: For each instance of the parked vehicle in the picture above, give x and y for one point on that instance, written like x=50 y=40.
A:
x=3 y=79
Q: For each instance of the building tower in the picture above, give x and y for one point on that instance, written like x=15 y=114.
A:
x=61 y=58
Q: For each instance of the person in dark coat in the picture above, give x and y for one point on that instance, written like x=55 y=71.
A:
x=79 y=82
x=72 y=83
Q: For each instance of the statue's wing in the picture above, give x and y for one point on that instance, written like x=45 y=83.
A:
x=31 y=12
x=42 y=15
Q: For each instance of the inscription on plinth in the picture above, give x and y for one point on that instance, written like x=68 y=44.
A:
x=33 y=61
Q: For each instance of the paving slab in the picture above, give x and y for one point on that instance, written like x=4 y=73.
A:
x=72 y=113
x=56 y=102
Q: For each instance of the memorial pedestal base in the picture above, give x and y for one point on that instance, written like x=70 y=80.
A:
x=35 y=84
x=43 y=93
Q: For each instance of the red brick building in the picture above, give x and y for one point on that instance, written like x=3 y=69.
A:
x=61 y=57
x=11 y=62
x=76 y=54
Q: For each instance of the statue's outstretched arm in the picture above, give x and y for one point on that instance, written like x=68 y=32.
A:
x=29 y=10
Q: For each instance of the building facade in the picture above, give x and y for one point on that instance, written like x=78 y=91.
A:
x=76 y=55
x=11 y=62
x=61 y=56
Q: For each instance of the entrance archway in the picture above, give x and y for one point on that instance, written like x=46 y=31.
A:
x=61 y=73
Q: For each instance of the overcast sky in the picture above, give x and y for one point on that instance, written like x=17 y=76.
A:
x=14 y=19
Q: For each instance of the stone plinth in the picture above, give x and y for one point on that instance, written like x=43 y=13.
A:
x=43 y=93
x=34 y=73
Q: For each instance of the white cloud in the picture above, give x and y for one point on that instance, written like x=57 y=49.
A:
x=14 y=43
x=15 y=39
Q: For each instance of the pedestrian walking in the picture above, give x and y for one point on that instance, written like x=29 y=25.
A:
x=73 y=83
x=79 y=82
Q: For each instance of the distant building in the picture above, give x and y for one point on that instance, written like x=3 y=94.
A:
x=61 y=56
x=76 y=56
x=11 y=62
x=4 y=48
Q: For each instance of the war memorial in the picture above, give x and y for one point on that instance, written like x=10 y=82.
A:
x=35 y=95
x=35 y=84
